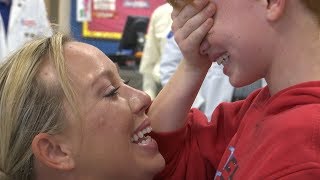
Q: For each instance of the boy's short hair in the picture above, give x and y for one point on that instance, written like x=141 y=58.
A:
x=314 y=6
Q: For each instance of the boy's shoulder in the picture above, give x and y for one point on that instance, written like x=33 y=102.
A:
x=298 y=125
x=285 y=143
x=302 y=117
x=293 y=114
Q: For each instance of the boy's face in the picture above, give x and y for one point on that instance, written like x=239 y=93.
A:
x=241 y=29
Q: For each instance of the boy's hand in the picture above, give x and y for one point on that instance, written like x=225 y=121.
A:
x=191 y=23
x=179 y=3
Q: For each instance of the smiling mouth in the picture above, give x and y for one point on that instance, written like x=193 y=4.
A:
x=223 y=58
x=141 y=137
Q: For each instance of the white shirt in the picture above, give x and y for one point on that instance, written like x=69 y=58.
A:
x=28 y=19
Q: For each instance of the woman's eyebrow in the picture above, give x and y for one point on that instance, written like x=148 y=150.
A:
x=106 y=73
x=118 y=71
x=117 y=67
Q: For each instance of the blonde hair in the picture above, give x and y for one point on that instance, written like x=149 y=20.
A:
x=29 y=105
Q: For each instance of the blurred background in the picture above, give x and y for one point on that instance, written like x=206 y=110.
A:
x=117 y=27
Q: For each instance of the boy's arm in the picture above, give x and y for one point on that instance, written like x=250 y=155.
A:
x=190 y=26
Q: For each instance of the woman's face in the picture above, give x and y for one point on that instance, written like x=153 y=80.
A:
x=111 y=114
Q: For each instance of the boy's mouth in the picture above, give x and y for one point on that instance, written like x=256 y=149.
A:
x=223 y=58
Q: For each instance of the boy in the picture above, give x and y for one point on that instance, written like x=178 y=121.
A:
x=275 y=132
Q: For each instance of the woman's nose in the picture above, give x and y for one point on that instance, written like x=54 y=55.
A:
x=139 y=101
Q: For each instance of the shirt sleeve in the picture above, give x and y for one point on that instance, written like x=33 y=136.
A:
x=195 y=150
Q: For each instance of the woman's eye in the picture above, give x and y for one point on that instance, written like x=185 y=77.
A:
x=113 y=92
x=126 y=81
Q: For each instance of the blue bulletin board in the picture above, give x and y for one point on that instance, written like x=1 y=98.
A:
x=100 y=35
x=109 y=24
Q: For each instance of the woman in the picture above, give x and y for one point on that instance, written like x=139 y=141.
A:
x=66 y=114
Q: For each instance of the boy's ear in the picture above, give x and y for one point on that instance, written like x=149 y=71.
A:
x=275 y=9
x=52 y=153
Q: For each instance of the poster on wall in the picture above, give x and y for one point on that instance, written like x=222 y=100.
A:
x=108 y=17
x=84 y=10
x=104 y=9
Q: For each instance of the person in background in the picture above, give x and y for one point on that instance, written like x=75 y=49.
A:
x=275 y=132
x=20 y=21
x=215 y=88
x=159 y=27
x=65 y=114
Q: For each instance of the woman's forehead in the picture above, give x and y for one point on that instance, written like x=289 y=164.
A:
x=82 y=48
x=78 y=52
x=84 y=59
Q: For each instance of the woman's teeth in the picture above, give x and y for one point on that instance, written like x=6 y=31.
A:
x=139 y=136
x=223 y=59
x=145 y=141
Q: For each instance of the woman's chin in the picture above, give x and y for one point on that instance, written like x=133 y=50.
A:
x=158 y=164
x=154 y=166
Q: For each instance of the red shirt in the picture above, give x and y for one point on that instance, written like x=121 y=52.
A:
x=261 y=137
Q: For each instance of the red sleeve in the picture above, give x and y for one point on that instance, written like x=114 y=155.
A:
x=181 y=152
x=194 y=151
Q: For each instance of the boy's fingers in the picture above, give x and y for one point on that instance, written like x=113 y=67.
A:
x=177 y=4
x=196 y=21
x=180 y=4
x=182 y=15
x=197 y=36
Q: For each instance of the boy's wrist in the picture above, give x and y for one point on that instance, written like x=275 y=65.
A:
x=198 y=68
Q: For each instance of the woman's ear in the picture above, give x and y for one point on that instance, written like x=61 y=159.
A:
x=275 y=9
x=47 y=149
